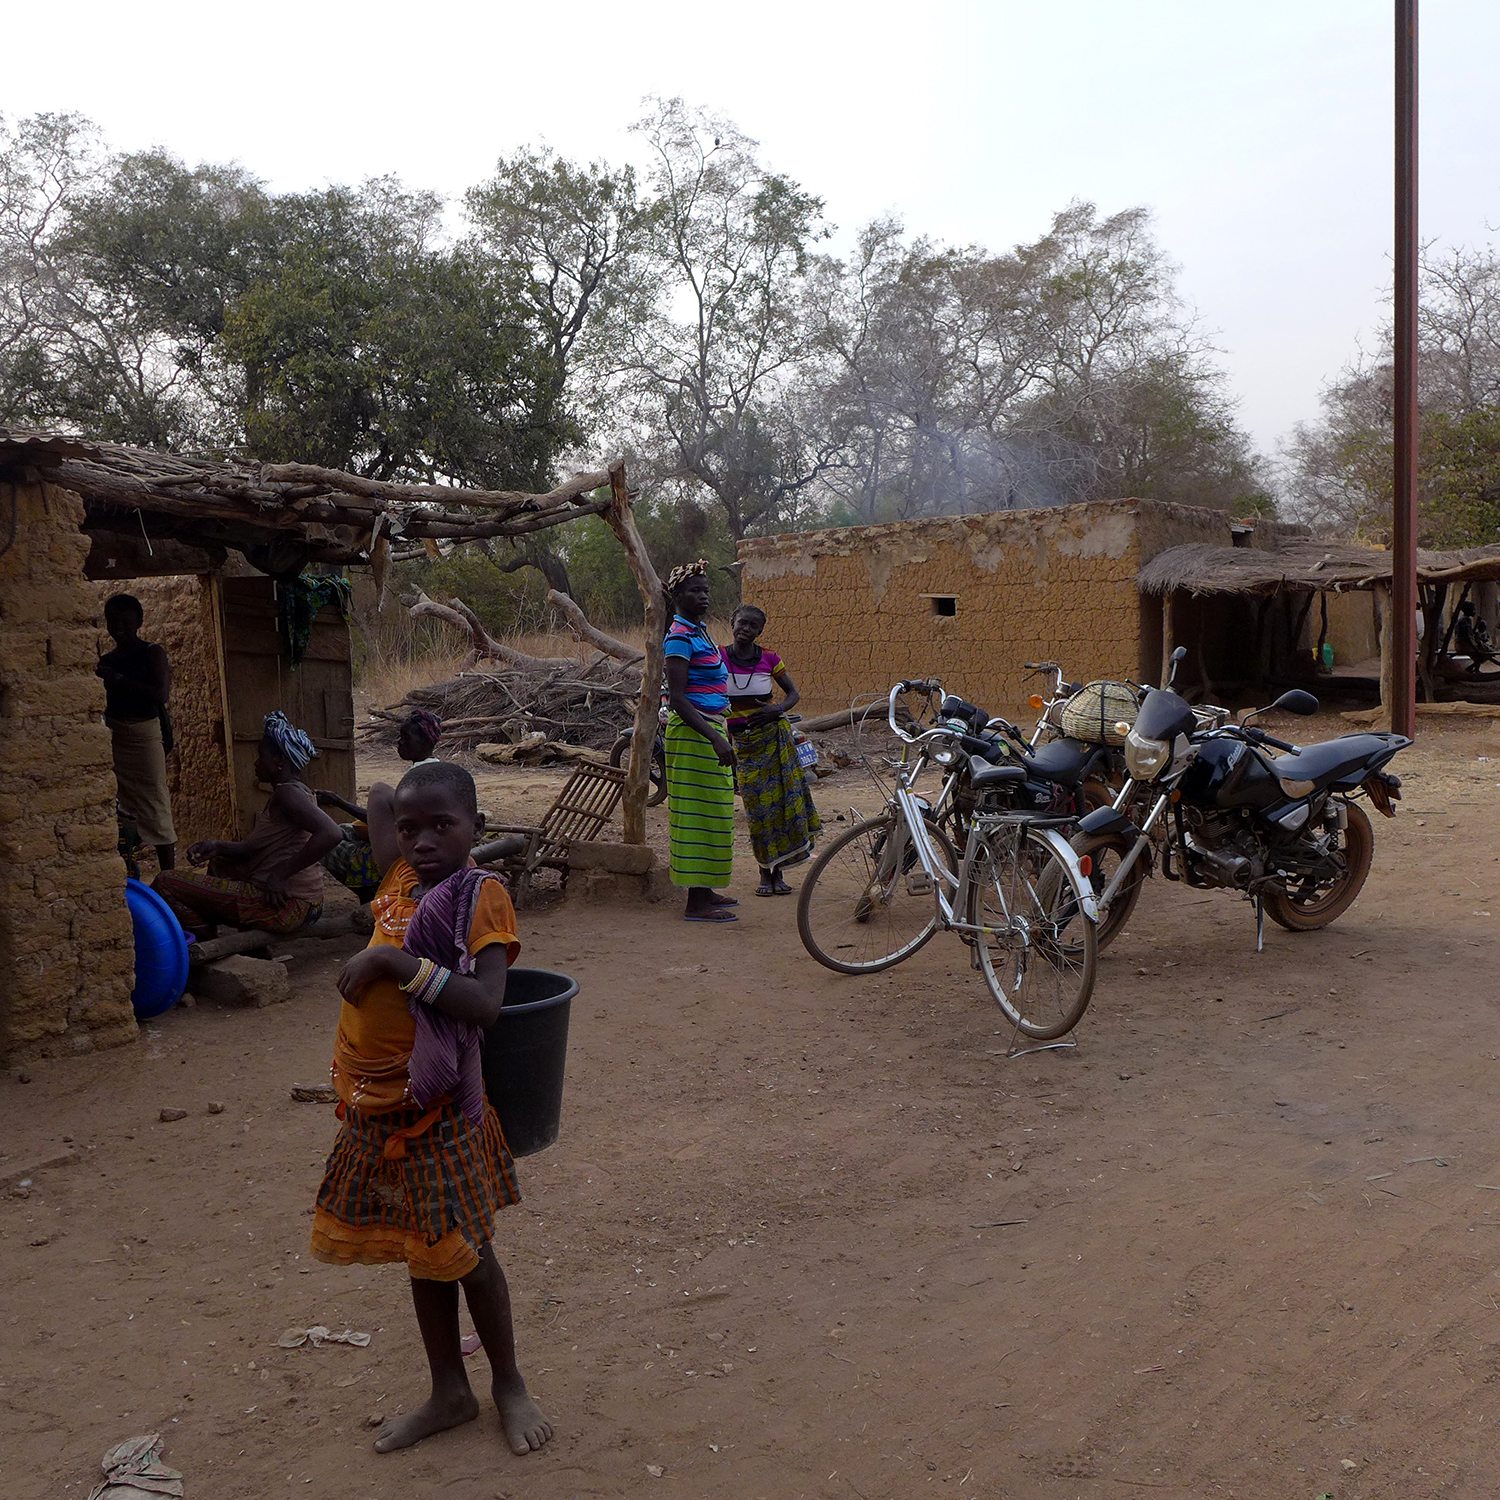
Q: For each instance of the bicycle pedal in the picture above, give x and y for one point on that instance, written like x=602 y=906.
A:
x=919 y=883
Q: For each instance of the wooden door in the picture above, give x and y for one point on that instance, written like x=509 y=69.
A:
x=317 y=695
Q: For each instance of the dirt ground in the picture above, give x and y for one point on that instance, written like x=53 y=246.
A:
x=795 y=1240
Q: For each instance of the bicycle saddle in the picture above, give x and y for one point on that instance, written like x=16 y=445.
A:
x=984 y=777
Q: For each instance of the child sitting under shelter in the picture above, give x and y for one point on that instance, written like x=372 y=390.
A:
x=272 y=879
x=420 y=1166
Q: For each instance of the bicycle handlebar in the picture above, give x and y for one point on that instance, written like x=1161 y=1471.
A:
x=929 y=685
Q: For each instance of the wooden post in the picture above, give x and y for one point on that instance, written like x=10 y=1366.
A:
x=1168 y=645
x=621 y=518
x=1383 y=614
x=1402 y=622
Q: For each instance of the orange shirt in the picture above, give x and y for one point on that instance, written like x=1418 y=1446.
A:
x=375 y=1037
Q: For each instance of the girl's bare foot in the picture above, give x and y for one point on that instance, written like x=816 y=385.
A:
x=526 y=1428
x=436 y=1414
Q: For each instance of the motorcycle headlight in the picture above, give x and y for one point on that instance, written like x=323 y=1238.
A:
x=1144 y=758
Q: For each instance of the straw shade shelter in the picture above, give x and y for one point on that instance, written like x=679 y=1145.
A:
x=1304 y=568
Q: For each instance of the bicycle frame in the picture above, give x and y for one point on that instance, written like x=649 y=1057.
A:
x=914 y=825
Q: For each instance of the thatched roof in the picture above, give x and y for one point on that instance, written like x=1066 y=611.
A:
x=1302 y=563
x=281 y=511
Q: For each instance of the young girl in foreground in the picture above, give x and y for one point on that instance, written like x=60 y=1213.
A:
x=420 y=1165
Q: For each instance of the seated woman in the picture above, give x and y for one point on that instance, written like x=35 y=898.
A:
x=273 y=879
x=783 y=821
x=351 y=861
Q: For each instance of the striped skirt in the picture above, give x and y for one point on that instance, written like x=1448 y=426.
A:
x=410 y=1186
x=700 y=795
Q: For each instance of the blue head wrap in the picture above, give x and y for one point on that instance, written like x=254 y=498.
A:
x=288 y=739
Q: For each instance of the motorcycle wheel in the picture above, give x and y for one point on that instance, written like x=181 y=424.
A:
x=620 y=757
x=1319 y=908
x=1107 y=850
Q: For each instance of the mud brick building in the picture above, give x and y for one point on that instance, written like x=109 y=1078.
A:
x=66 y=945
x=215 y=549
x=969 y=599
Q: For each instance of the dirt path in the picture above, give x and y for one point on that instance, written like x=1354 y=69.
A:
x=1254 y=1244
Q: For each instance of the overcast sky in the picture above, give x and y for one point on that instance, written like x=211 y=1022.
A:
x=1260 y=133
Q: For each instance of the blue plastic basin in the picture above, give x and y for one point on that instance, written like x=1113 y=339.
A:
x=161 y=952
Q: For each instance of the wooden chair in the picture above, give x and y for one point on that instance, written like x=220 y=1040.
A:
x=585 y=805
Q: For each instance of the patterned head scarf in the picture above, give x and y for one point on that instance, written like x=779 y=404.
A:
x=681 y=574
x=288 y=739
x=428 y=725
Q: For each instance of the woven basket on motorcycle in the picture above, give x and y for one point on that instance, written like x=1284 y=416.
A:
x=1093 y=711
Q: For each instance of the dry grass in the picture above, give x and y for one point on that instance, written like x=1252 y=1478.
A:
x=390 y=679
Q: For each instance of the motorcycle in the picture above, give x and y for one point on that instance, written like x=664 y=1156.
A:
x=619 y=756
x=1223 y=812
x=1064 y=777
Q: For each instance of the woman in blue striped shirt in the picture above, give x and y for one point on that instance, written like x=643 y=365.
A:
x=700 y=781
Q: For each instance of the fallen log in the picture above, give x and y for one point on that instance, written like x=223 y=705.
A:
x=847 y=716
x=1457 y=710
x=252 y=939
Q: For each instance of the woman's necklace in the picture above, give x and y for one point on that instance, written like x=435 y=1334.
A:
x=741 y=688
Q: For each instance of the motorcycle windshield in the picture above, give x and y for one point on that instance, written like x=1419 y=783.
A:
x=1164 y=716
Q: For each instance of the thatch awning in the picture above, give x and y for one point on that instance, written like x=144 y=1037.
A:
x=284 y=513
x=1302 y=563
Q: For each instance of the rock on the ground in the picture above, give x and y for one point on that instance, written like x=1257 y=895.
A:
x=169 y=1115
x=242 y=980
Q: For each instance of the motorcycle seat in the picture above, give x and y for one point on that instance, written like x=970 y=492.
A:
x=1333 y=760
x=1061 y=762
x=984 y=777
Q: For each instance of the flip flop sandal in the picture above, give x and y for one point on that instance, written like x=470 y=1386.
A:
x=724 y=901
x=781 y=888
x=765 y=889
x=711 y=914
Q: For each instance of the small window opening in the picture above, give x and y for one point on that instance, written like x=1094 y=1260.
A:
x=944 y=604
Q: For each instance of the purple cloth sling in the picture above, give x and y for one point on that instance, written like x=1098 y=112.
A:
x=446 y=1055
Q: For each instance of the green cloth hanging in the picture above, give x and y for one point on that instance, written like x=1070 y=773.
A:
x=301 y=598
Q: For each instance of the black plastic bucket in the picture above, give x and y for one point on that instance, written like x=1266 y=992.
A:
x=526 y=1055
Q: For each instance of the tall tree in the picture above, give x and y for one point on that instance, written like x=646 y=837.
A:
x=371 y=347
x=574 y=239
x=958 y=380
x=1339 y=469
x=712 y=367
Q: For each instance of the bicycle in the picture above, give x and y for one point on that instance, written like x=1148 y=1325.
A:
x=1018 y=896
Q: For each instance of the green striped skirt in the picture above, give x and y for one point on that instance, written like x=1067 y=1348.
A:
x=700 y=795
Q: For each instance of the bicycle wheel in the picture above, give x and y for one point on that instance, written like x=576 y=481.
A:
x=1039 y=952
x=860 y=910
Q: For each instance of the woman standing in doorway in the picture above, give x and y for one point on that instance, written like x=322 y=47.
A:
x=700 y=783
x=783 y=820
x=137 y=683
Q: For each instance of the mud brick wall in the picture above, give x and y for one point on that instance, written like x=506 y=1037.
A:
x=854 y=610
x=66 y=949
x=182 y=617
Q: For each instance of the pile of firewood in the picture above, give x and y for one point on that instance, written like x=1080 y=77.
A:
x=504 y=696
x=582 y=704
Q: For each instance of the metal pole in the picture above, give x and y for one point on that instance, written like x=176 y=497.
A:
x=1403 y=703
